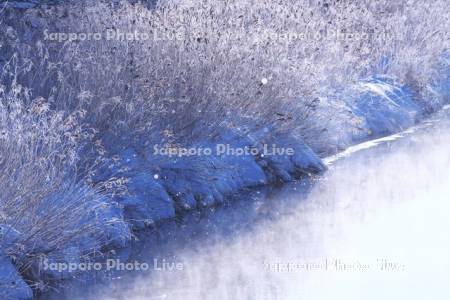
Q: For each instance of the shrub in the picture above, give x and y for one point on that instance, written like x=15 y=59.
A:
x=43 y=200
x=232 y=63
x=206 y=68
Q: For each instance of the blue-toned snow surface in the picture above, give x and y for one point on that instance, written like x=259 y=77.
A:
x=377 y=106
x=156 y=188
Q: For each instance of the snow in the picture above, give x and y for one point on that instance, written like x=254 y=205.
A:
x=388 y=228
x=154 y=189
x=12 y=286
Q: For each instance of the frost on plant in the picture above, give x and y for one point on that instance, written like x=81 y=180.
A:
x=88 y=87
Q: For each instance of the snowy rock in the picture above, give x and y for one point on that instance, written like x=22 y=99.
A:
x=146 y=201
x=197 y=181
x=278 y=167
x=301 y=159
x=188 y=180
x=305 y=160
x=243 y=170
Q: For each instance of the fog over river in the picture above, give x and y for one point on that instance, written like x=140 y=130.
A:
x=375 y=226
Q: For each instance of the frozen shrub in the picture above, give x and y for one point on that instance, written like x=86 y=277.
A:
x=43 y=199
x=184 y=73
x=189 y=68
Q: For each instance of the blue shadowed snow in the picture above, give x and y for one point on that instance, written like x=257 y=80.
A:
x=8 y=237
x=110 y=215
x=12 y=286
x=197 y=181
x=145 y=201
x=439 y=87
x=386 y=106
x=375 y=107
x=156 y=188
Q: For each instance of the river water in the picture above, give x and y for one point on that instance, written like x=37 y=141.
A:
x=375 y=226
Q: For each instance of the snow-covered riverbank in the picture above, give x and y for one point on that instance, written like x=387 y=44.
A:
x=374 y=226
x=96 y=130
